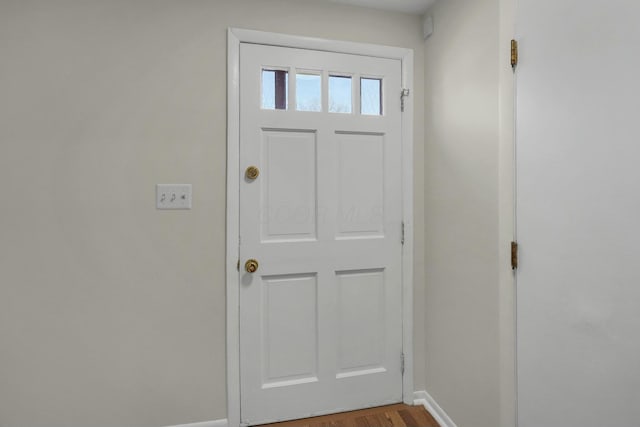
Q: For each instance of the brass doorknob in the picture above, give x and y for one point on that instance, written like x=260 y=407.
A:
x=251 y=266
x=252 y=172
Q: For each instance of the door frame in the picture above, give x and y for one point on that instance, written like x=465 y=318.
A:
x=236 y=36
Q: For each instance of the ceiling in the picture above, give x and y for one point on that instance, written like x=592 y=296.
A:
x=407 y=6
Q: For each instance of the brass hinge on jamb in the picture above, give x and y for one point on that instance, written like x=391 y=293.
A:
x=403 y=94
x=514 y=54
x=514 y=255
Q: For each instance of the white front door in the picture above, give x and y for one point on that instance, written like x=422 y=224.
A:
x=578 y=211
x=321 y=317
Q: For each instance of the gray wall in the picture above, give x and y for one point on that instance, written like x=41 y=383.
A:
x=112 y=313
x=465 y=185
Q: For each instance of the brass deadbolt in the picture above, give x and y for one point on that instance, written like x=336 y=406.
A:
x=252 y=172
x=251 y=266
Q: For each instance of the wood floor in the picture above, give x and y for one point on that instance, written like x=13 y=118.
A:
x=399 y=415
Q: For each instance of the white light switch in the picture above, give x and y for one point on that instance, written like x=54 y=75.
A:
x=173 y=196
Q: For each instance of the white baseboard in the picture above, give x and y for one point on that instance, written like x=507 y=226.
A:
x=423 y=398
x=214 y=423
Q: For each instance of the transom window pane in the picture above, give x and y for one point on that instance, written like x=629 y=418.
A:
x=340 y=94
x=371 y=96
x=275 y=89
x=308 y=92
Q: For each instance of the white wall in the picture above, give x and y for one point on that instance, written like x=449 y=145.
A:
x=469 y=212
x=112 y=313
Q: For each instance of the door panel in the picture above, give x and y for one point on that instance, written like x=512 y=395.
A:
x=290 y=329
x=361 y=189
x=578 y=206
x=289 y=194
x=361 y=341
x=321 y=318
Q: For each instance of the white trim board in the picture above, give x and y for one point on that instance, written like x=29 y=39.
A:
x=423 y=398
x=214 y=423
x=237 y=36
x=325 y=45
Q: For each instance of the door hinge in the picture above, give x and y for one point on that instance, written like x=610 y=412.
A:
x=238 y=265
x=403 y=94
x=402 y=234
x=514 y=255
x=514 y=54
x=402 y=362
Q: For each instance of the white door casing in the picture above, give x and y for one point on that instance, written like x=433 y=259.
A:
x=578 y=206
x=321 y=319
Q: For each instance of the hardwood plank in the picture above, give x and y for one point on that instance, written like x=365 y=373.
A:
x=430 y=420
x=362 y=422
x=395 y=419
x=423 y=417
x=407 y=417
x=398 y=415
x=380 y=420
x=350 y=415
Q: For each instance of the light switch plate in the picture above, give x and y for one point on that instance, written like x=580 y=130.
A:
x=173 y=196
